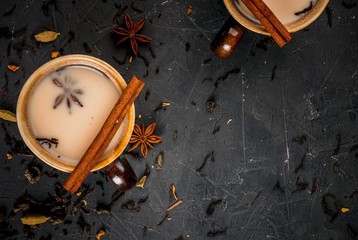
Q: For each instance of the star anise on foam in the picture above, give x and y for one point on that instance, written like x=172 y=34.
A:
x=131 y=33
x=144 y=138
x=68 y=93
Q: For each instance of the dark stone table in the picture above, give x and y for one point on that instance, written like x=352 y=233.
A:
x=276 y=158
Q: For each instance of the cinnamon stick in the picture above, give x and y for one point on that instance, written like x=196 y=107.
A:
x=268 y=19
x=105 y=135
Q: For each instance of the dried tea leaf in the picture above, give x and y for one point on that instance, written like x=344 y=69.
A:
x=7 y=115
x=141 y=182
x=173 y=191
x=55 y=54
x=34 y=219
x=159 y=162
x=46 y=36
x=189 y=9
x=13 y=68
x=100 y=234
x=344 y=210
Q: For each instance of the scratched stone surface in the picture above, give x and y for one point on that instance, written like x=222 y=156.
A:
x=276 y=159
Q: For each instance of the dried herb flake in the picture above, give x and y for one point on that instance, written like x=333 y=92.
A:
x=46 y=36
x=7 y=115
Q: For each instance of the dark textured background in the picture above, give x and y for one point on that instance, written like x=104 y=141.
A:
x=313 y=92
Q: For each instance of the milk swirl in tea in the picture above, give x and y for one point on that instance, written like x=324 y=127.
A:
x=70 y=106
x=287 y=11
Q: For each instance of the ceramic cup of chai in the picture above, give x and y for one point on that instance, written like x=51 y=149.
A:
x=295 y=15
x=63 y=105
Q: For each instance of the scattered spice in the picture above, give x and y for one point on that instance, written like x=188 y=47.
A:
x=273 y=72
x=229 y=121
x=162 y=106
x=189 y=9
x=100 y=234
x=348 y=4
x=141 y=182
x=314 y=186
x=159 y=162
x=211 y=208
x=329 y=12
x=163 y=220
x=34 y=219
x=142 y=200
x=216 y=233
x=207 y=157
x=175 y=135
x=144 y=138
x=174 y=205
x=299 y=140
x=131 y=33
x=46 y=36
x=216 y=130
x=71 y=36
x=68 y=93
x=33 y=172
x=13 y=68
x=9 y=156
x=344 y=210
x=210 y=105
x=173 y=193
x=83 y=225
x=87 y=47
x=278 y=187
x=209 y=79
x=339 y=143
x=305 y=9
x=300 y=186
x=226 y=75
x=7 y=115
x=54 y=55
x=301 y=165
x=187 y=46
x=207 y=61
x=130 y=205
x=48 y=141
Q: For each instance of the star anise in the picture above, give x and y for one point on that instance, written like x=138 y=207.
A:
x=68 y=93
x=131 y=33
x=144 y=137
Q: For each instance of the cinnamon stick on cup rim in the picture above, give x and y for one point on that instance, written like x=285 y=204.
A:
x=105 y=135
x=268 y=19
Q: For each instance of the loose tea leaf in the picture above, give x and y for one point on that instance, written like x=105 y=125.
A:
x=7 y=115
x=173 y=192
x=34 y=219
x=189 y=9
x=344 y=210
x=46 y=36
x=159 y=162
x=54 y=54
x=211 y=208
x=13 y=68
x=141 y=182
x=100 y=234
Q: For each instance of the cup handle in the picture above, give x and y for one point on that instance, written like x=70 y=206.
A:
x=228 y=38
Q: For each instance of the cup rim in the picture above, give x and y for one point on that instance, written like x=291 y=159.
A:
x=51 y=66
x=301 y=23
